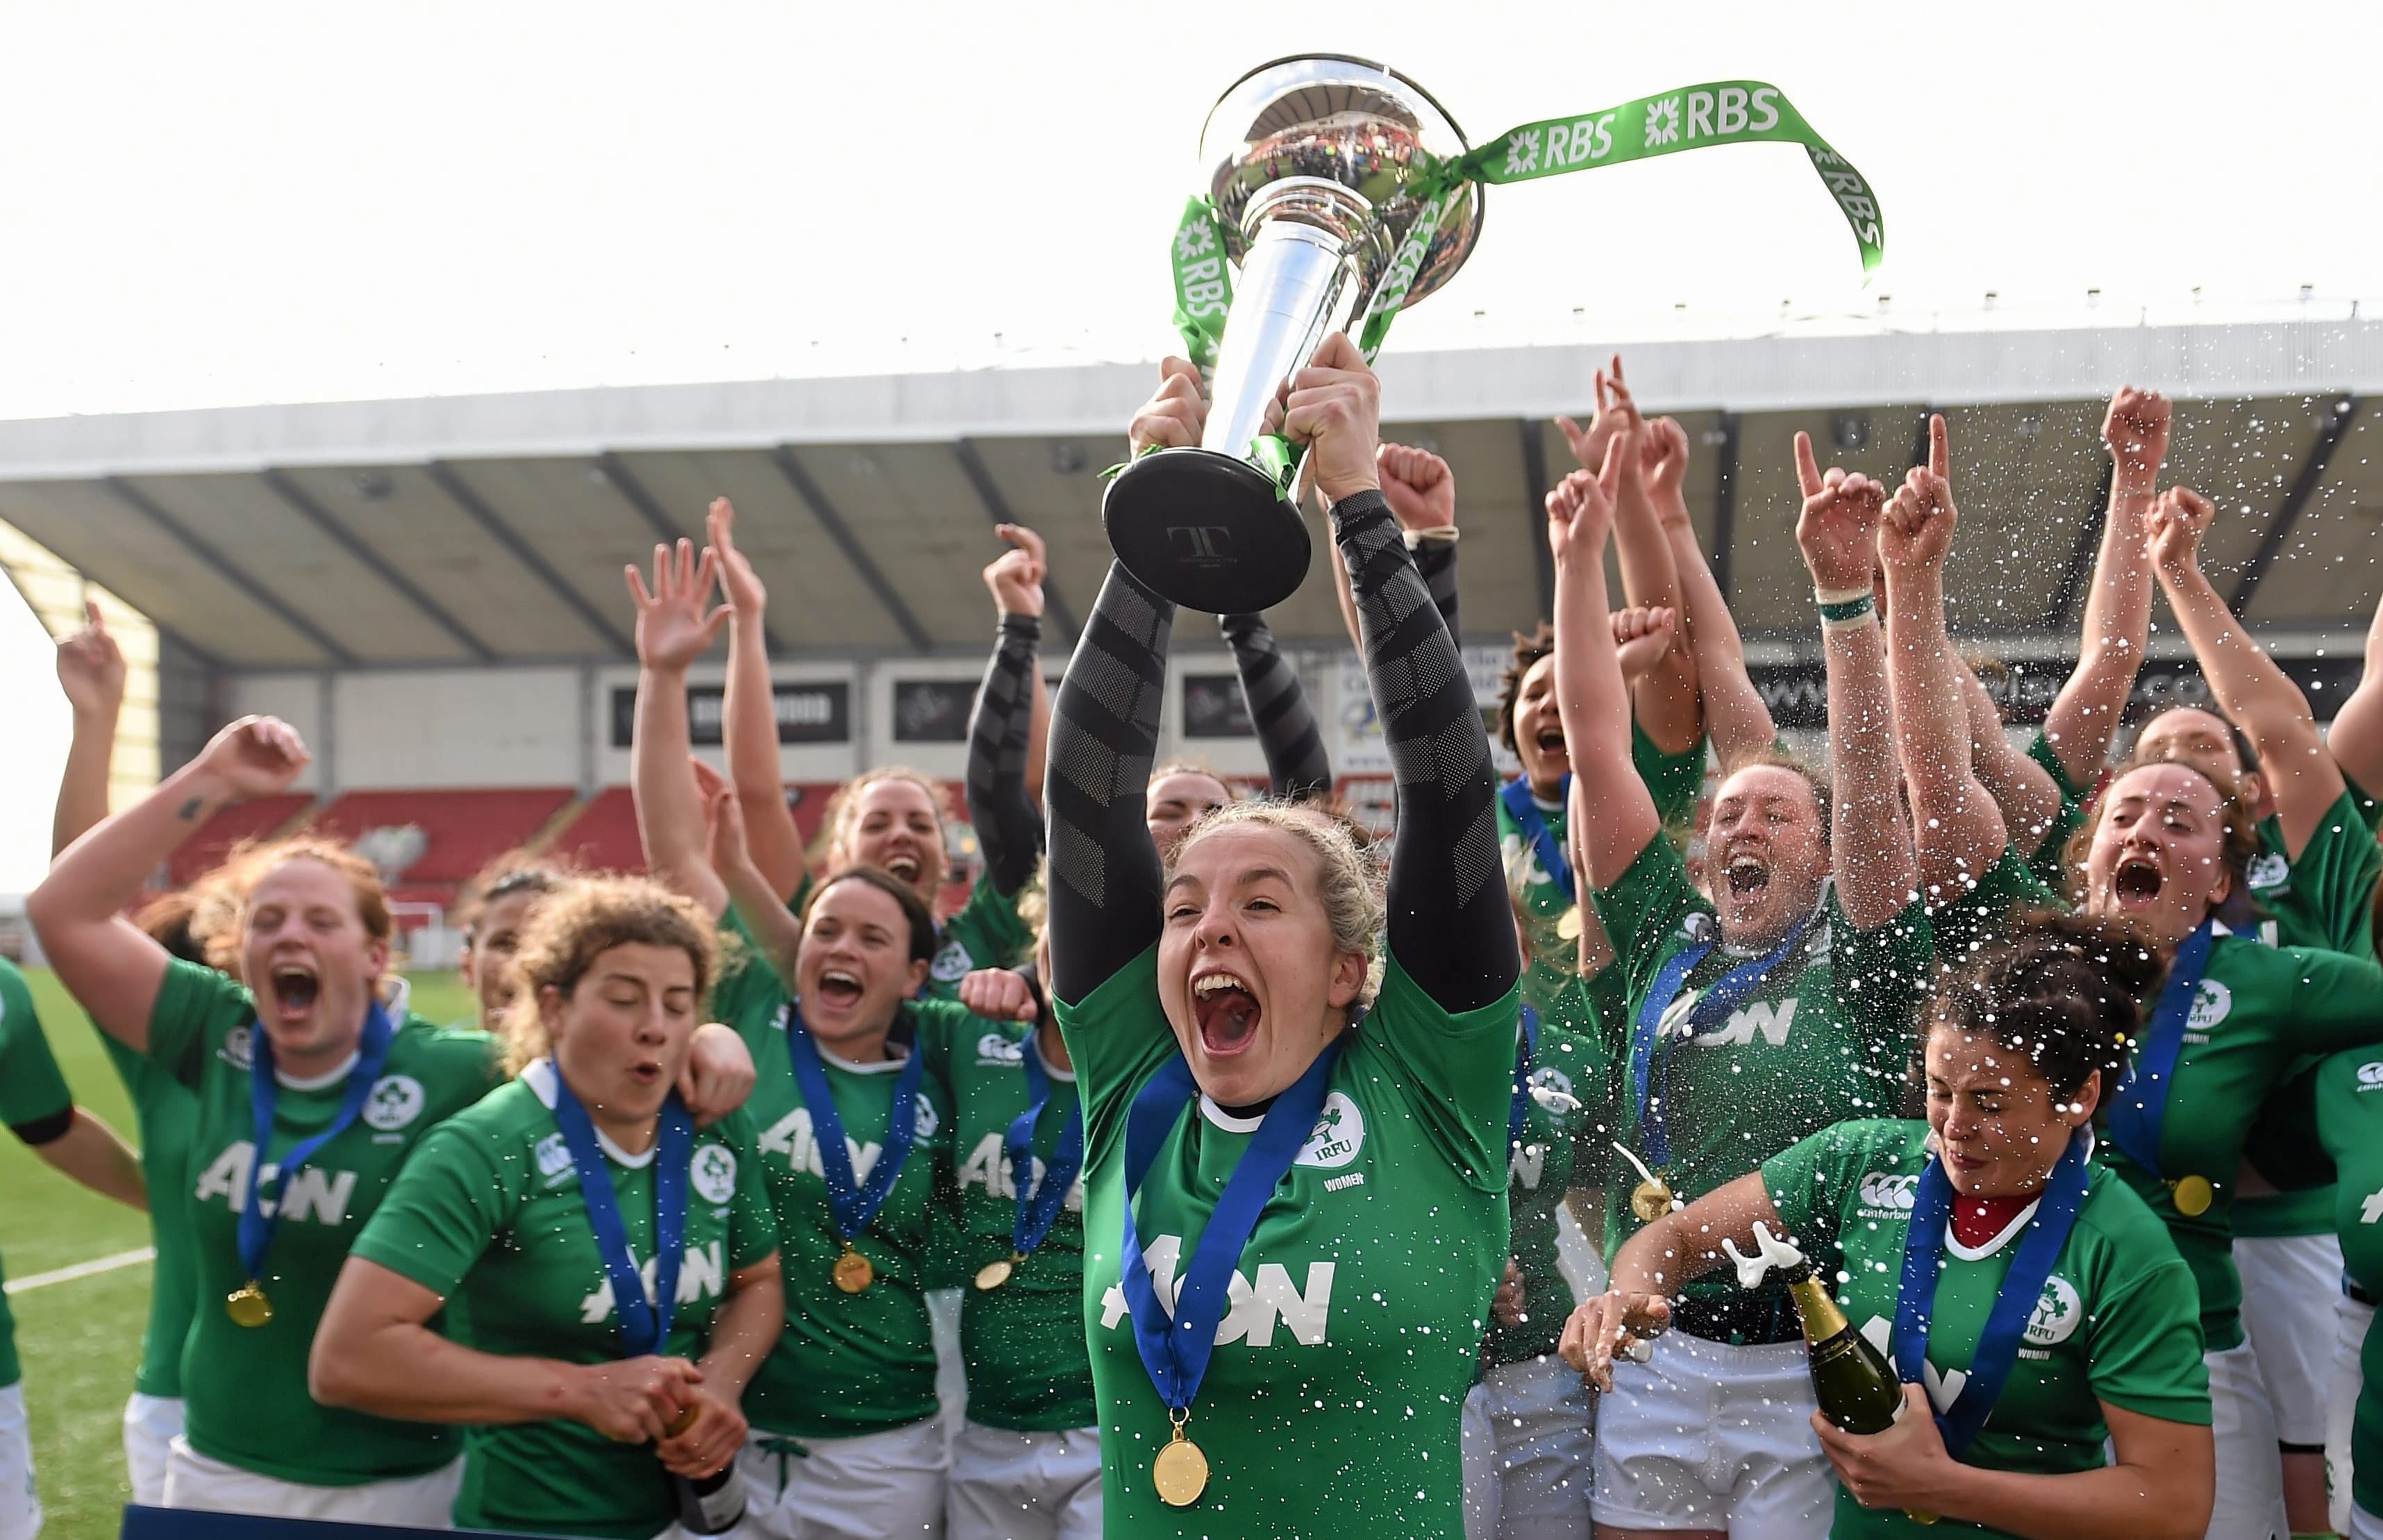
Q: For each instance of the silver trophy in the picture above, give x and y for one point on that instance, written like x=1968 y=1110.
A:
x=1315 y=161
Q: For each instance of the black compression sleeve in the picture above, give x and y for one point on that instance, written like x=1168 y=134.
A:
x=1104 y=873
x=45 y=1130
x=1435 y=559
x=1297 y=765
x=1450 y=926
x=1007 y=826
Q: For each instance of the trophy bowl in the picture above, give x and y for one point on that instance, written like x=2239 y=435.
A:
x=1315 y=166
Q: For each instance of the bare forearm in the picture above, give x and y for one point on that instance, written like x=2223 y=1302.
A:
x=82 y=789
x=2116 y=1502
x=1594 y=706
x=1871 y=852
x=2024 y=790
x=2249 y=688
x=91 y=1153
x=103 y=870
x=669 y=805
x=776 y=931
x=1734 y=717
x=749 y=730
x=410 y=1372
x=743 y=1333
x=1038 y=739
x=2084 y=716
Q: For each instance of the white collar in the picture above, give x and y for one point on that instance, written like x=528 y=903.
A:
x=1034 y=1046
x=1215 y=1114
x=2018 y=1222
x=538 y=1075
x=1828 y=886
x=1544 y=805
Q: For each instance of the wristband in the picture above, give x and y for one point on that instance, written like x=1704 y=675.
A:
x=1846 y=614
x=1418 y=538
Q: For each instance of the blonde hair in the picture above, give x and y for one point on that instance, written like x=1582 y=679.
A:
x=844 y=808
x=580 y=924
x=1353 y=904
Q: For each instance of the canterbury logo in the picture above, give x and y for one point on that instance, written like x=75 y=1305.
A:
x=1891 y=1193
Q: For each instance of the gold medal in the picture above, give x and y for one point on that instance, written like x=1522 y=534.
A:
x=248 y=1307
x=993 y=1275
x=1650 y=1200
x=2192 y=1195
x=853 y=1271
x=1180 y=1472
x=1568 y=924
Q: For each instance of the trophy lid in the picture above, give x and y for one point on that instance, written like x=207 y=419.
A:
x=1350 y=122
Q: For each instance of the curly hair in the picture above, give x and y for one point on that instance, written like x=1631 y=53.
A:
x=2063 y=990
x=582 y=923
x=1528 y=650
x=1349 y=881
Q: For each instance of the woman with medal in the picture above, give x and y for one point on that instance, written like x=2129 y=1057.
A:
x=1328 y=1222
x=1755 y=1019
x=584 y=1180
x=2026 y=1297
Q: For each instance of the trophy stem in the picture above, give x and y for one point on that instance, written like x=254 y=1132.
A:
x=1295 y=284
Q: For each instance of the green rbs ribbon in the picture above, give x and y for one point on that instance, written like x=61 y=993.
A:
x=1691 y=118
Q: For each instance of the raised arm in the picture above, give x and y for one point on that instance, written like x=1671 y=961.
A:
x=1452 y=926
x=1958 y=830
x=2024 y=790
x=1612 y=815
x=2357 y=739
x=1297 y=765
x=110 y=967
x=1735 y=717
x=1421 y=491
x=1009 y=826
x=2254 y=693
x=2085 y=715
x=749 y=714
x=91 y=670
x=1664 y=702
x=672 y=631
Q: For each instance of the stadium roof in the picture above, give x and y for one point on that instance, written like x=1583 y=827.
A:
x=493 y=528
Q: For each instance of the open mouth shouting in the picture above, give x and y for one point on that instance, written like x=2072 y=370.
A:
x=1551 y=741
x=295 y=988
x=840 y=988
x=1228 y=1013
x=905 y=865
x=2136 y=883
x=1748 y=877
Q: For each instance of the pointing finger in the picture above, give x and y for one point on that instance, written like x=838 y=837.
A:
x=1940 y=453
x=1807 y=470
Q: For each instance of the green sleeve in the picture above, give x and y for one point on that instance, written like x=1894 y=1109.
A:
x=31 y=1089
x=1970 y=921
x=1643 y=909
x=753 y=1226
x=1674 y=781
x=2329 y=1000
x=1117 y=1037
x=195 y=1004
x=2334 y=875
x=748 y=993
x=2046 y=861
x=1808 y=1181
x=1878 y=977
x=988 y=926
x=2370 y=811
x=2144 y=1345
x=1461 y=1067
x=445 y=1208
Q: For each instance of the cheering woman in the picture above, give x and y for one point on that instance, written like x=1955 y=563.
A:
x=1286 y=1282
x=619 y=1269
x=2027 y=1299
x=1754 y=1019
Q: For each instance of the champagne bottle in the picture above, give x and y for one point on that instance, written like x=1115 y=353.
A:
x=709 y=1505
x=1855 y=1385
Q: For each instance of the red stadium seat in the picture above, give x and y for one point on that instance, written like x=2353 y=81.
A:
x=428 y=843
x=241 y=820
x=603 y=836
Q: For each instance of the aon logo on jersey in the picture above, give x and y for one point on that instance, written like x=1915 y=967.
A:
x=1256 y=1310
x=987 y=1166
x=791 y=1136
x=1768 y=1019
x=313 y=1195
x=699 y=1277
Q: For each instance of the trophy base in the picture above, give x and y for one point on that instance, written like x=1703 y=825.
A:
x=1207 y=531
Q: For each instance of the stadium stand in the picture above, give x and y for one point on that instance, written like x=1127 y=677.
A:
x=241 y=820
x=428 y=843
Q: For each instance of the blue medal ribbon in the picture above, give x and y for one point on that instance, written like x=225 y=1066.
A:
x=254 y=1235
x=645 y=1323
x=1518 y=1110
x=851 y=1204
x=1998 y=1350
x=1649 y=1043
x=1038 y=1206
x=2139 y=1110
x=1516 y=795
x=1176 y=1351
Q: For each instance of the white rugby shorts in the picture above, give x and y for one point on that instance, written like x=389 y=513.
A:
x=2250 y=1481
x=193 y=1480
x=1009 y=1485
x=1528 y=1453
x=1714 y=1436
x=151 y=1425
x=879 y=1483
x=2290 y=1284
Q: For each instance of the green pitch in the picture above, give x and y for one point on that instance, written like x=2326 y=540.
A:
x=80 y=1339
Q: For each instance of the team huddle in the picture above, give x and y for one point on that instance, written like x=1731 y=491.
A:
x=1244 y=1135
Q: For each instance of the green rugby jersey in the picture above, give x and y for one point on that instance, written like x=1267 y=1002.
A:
x=2049 y=861
x=1968 y=922
x=32 y=1091
x=2115 y=1322
x=2350 y=1121
x=490 y=1211
x=984 y=933
x=244 y=1389
x=168 y=1113
x=846 y=1364
x=1357 y=1306
x=1674 y=781
x=2326 y=897
x=2258 y=1009
x=1825 y=1037
x=1564 y=1127
x=1023 y=1343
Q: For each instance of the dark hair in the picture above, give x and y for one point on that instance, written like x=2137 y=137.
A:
x=168 y=921
x=2245 y=749
x=1527 y=652
x=2063 y=990
x=2238 y=847
x=923 y=939
x=513 y=872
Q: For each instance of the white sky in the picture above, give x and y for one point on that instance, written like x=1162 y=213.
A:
x=229 y=203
